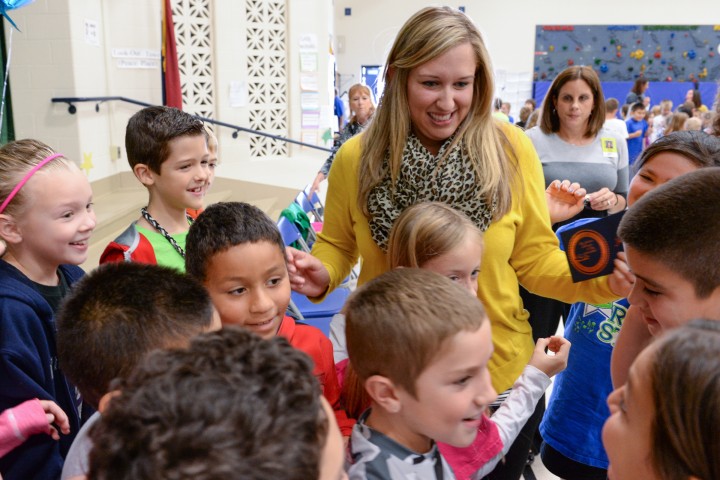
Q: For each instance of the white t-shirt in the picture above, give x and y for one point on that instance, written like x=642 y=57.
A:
x=618 y=127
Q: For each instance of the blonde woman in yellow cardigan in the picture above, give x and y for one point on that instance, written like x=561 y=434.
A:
x=433 y=139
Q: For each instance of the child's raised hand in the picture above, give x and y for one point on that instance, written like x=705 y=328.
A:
x=307 y=274
x=551 y=365
x=56 y=415
x=622 y=279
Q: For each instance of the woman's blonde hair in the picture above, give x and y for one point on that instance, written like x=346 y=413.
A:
x=428 y=34
x=17 y=158
x=364 y=89
x=425 y=231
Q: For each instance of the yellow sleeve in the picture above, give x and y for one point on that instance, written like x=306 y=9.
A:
x=336 y=246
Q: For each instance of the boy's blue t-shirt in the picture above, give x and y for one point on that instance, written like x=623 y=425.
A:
x=635 y=145
x=577 y=410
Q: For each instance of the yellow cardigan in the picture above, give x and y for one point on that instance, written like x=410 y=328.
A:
x=520 y=247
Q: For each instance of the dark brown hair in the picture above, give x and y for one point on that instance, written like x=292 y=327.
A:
x=118 y=313
x=685 y=383
x=149 y=132
x=550 y=120
x=231 y=405
x=677 y=224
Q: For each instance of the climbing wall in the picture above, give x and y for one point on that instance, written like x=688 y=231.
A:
x=682 y=53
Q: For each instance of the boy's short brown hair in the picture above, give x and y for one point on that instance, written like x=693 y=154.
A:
x=150 y=131
x=611 y=104
x=118 y=313
x=678 y=224
x=397 y=323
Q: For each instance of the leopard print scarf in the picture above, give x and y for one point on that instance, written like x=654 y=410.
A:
x=423 y=178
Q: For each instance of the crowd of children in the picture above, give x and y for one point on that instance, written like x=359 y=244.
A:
x=176 y=358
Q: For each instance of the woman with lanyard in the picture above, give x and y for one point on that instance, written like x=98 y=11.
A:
x=433 y=139
x=362 y=109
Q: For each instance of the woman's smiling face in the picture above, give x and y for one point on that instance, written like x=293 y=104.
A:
x=440 y=93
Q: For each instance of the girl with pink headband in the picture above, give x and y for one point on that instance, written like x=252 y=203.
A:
x=46 y=219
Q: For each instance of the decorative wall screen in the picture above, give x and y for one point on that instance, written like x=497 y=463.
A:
x=267 y=75
x=194 y=37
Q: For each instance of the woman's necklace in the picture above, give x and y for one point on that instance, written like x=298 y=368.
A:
x=164 y=232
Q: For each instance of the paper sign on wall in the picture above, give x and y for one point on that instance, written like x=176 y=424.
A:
x=238 y=96
x=308 y=62
x=308 y=42
x=92 y=33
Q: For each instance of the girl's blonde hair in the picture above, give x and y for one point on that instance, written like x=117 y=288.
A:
x=17 y=158
x=426 y=231
x=676 y=123
x=366 y=90
x=428 y=34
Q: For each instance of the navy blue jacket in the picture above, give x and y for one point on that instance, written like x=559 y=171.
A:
x=29 y=369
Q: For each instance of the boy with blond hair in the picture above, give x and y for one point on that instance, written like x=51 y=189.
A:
x=433 y=385
x=671 y=239
x=168 y=152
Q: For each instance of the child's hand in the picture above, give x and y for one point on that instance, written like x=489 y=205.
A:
x=307 y=274
x=55 y=415
x=551 y=365
x=622 y=279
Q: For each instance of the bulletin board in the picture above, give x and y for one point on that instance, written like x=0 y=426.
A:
x=621 y=53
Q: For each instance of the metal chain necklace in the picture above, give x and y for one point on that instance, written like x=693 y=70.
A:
x=164 y=232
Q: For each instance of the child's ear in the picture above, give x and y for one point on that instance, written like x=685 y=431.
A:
x=383 y=392
x=9 y=230
x=144 y=174
x=105 y=400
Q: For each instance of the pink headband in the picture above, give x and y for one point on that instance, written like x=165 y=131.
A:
x=27 y=177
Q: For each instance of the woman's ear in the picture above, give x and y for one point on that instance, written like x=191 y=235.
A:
x=383 y=392
x=144 y=174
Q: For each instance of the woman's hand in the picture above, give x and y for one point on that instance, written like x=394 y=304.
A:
x=307 y=274
x=564 y=200
x=606 y=199
x=621 y=280
x=316 y=183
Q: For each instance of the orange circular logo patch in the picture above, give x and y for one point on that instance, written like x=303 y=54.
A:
x=588 y=252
